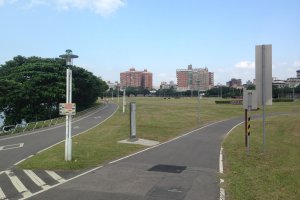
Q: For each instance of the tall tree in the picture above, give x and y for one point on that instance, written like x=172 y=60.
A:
x=31 y=88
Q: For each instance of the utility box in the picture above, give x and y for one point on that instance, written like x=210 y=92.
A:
x=249 y=99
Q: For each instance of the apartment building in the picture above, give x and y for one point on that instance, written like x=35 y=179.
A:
x=194 y=79
x=235 y=83
x=133 y=78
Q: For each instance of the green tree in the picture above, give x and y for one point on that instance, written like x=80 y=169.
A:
x=31 y=88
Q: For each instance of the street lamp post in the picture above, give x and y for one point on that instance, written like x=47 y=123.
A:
x=69 y=56
x=124 y=94
x=198 y=84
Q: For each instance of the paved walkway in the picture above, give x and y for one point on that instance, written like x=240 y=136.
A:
x=184 y=169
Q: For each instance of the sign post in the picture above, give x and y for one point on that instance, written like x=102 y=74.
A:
x=249 y=103
x=69 y=56
x=263 y=74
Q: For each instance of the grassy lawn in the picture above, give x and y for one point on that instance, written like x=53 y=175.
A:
x=157 y=119
x=274 y=174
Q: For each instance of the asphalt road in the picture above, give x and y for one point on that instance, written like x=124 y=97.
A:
x=18 y=147
x=183 y=169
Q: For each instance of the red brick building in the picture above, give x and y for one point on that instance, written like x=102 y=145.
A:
x=194 y=79
x=133 y=78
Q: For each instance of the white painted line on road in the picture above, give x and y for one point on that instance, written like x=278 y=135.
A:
x=221 y=161
x=18 y=184
x=97 y=117
x=40 y=131
x=165 y=142
x=11 y=146
x=221 y=169
x=2 y=195
x=36 y=179
x=55 y=176
x=76 y=127
x=73 y=135
x=80 y=133
x=222 y=191
x=53 y=186
x=23 y=160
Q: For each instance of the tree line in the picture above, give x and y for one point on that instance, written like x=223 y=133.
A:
x=220 y=91
x=32 y=88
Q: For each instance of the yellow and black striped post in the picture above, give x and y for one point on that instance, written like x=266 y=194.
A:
x=248 y=130
x=248 y=123
x=247 y=126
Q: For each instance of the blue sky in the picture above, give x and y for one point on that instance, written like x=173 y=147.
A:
x=110 y=36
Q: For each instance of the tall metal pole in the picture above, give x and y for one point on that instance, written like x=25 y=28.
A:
x=263 y=96
x=118 y=94
x=68 y=142
x=124 y=94
x=67 y=117
x=69 y=156
x=198 y=83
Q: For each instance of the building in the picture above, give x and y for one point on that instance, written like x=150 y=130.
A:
x=290 y=82
x=114 y=85
x=278 y=83
x=133 y=78
x=165 y=85
x=194 y=79
x=235 y=83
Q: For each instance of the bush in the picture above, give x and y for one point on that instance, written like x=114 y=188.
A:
x=283 y=100
x=223 y=102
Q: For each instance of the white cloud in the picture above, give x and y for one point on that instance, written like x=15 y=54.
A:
x=297 y=63
x=245 y=65
x=102 y=7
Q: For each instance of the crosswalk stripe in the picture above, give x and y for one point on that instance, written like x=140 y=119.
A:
x=55 y=176
x=18 y=184
x=2 y=195
x=36 y=179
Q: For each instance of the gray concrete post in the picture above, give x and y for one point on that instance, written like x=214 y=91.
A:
x=132 y=121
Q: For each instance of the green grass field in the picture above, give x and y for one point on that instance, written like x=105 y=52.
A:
x=157 y=119
x=270 y=174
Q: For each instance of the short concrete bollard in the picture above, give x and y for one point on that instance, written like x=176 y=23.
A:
x=133 y=136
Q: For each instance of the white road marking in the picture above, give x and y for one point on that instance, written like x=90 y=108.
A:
x=221 y=161
x=18 y=184
x=98 y=117
x=81 y=132
x=181 y=136
x=2 y=195
x=221 y=169
x=11 y=146
x=55 y=176
x=23 y=160
x=76 y=127
x=36 y=179
x=47 y=129
x=41 y=191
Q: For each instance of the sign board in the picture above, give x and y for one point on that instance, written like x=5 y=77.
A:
x=67 y=108
x=249 y=99
x=263 y=74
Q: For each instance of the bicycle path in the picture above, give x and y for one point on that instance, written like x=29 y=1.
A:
x=186 y=168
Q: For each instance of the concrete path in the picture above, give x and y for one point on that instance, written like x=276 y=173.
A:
x=186 y=168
